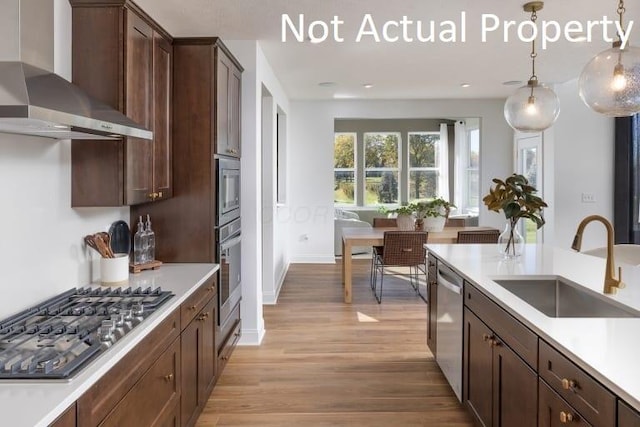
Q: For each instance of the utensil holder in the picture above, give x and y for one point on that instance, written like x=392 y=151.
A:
x=114 y=271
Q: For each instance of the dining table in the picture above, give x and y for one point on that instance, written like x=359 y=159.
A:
x=352 y=236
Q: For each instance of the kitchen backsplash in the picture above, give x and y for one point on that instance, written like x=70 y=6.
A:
x=41 y=247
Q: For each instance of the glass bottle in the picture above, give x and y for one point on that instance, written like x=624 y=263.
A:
x=139 y=243
x=151 y=241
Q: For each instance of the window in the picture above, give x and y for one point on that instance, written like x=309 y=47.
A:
x=344 y=172
x=424 y=156
x=472 y=195
x=381 y=168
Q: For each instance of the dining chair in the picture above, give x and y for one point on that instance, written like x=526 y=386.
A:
x=478 y=236
x=385 y=222
x=400 y=249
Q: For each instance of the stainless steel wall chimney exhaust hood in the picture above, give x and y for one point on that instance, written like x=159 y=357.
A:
x=36 y=101
x=40 y=103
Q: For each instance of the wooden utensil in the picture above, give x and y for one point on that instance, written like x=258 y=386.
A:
x=107 y=241
x=102 y=246
x=88 y=240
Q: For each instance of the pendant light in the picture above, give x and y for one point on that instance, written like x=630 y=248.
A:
x=610 y=82
x=533 y=107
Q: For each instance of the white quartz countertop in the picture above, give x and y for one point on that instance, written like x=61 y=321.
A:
x=29 y=403
x=608 y=349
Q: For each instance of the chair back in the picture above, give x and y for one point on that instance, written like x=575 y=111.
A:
x=478 y=236
x=404 y=248
x=385 y=222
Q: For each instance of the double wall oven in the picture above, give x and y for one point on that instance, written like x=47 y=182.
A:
x=228 y=236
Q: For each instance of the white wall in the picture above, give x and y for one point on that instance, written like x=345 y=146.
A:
x=583 y=150
x=41 y=248
x=311 y=125
x=257 y=72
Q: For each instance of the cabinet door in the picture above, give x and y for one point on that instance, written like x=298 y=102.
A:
x=162 y=65
x=515 y=388
x=138 y=72
x=223 y=73
x=477 y=368
x=152 y=401
x=67 y=419
x=191 y=346
x=554 y=411
x=235 y=89
x=209 y=356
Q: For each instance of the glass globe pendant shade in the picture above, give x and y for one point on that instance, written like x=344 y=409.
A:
x=610 y=82
x=532 y=108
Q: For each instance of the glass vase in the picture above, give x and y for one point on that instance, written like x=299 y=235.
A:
x=510 y=242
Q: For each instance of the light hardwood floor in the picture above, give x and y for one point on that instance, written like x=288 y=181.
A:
x=326 y=363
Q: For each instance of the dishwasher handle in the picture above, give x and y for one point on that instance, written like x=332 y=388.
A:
x=448 y=283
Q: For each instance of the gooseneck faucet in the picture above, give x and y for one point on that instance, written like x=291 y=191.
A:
x=611 y=284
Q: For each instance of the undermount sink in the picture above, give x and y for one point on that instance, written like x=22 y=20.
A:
x=622 y=254
x=557 y=297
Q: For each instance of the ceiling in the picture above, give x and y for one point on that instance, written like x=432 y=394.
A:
x=400 y=70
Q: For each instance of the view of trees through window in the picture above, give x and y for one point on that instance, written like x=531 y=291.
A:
x=387 y=163
x=381 y=168
x=423 y=165
x=344 y=168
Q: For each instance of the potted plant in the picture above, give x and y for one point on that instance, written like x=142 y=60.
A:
x=431 y=215
x=517 y=199
x=404 y=216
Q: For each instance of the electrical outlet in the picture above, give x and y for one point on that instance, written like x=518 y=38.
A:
x=588 y=198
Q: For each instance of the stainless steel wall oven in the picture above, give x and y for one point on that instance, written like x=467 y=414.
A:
x=229 y=258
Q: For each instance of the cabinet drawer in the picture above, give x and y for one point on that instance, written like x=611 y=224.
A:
x=152 y=401
x=584 y=393
x=511 y=331
x=554 y=411
x=103 y=396
x=230 y=334
x=197 y=300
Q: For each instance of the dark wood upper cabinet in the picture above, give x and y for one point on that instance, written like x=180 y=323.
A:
x=205 y=76
x=122 y=58
x=228 y=105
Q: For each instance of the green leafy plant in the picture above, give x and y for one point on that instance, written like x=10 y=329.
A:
x=517 y=199
x=432 y=208
x=422 y=208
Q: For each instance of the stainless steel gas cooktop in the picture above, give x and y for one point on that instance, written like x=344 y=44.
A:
x=59 y=337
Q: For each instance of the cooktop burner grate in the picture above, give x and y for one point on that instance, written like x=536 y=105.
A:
x=62 y=335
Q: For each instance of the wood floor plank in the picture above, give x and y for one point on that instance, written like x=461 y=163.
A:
x=326 y=363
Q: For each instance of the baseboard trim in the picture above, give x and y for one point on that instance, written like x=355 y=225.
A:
x=271 y=298
x=313 y=259
x=251 y=337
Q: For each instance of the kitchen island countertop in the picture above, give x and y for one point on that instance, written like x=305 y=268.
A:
x=29 y=403
x=606 y=348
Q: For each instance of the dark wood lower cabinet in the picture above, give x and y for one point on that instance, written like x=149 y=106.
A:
x=554 y=411
x=500 y=388
x=478 y=362
x=153 y=400
x=67 y=419
x=515 y=395
x=627 y=417
x=198 y=362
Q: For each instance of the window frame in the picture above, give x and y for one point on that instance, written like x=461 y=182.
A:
x=354 y=169
x=365 y=169
x=420 y=169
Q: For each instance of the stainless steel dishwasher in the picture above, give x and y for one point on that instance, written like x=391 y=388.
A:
x=449 y=326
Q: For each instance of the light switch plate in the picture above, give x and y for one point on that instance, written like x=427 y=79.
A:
x=588 y=198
